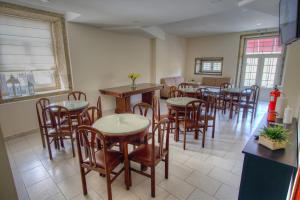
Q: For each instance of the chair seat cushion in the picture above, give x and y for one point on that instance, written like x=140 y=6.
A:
x=143 y=154
x=113 y=159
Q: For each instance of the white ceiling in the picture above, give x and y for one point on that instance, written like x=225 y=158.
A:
x=181 y=17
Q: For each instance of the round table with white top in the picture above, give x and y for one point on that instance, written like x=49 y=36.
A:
x=123 y=128
x=177 y=104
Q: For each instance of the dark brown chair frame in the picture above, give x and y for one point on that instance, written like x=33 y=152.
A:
x=61 y=127
x=77 y=95
x=40 y=105
x=89 y=136
x=195 y=119
x=157 y=153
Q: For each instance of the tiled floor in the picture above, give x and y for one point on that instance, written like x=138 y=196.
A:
x=210 y=173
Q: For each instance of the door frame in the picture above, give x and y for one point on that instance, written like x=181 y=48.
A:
x=238 y=75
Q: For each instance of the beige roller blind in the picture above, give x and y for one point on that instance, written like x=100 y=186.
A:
x=25 y=45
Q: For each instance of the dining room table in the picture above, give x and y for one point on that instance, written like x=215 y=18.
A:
x=123 y=128
x=177 y=105
x=75 y=107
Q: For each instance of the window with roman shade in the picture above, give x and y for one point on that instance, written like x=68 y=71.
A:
x=33 y=60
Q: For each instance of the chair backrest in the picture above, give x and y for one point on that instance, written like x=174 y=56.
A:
x=200 y=93
x=77 y=95
x=246 y=95
x=162 y=129
x=185 y=85
x=212 y=105
x=256 y=92
x=60 y=118
x=142 y=109
x=225 y=86
x=89 y=115
x=174 y=92
x=99 y=105
x=195 y=111
x=40 y=105
x=88 y=135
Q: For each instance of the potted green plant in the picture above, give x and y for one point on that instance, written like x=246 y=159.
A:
x=133 y=77
x=274 y=137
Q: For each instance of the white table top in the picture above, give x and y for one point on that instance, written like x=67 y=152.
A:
x=71 y=105
x=180 y=101
x=122 y=124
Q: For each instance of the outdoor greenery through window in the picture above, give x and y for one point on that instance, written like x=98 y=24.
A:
x=30 y=62
x=209 y=66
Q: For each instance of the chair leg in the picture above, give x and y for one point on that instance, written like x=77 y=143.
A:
x=203 y=138
x=184 y=139
x=167 y=166
x=49 y=147
x=213 y=128
x=153 y=181
x=43 y=137
x=83 y=181
x=108 y=184
x=72 y=143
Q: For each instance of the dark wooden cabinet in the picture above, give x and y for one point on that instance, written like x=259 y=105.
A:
x=269 y=175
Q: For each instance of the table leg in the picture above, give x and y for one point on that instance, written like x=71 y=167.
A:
x=177 y=126
x=231 y=108
x=147 y=97
x=122 y=105
x=126 y=165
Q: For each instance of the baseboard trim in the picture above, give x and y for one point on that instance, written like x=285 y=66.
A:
x=22 y=134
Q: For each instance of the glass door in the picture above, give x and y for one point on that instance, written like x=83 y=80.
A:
x=262 y=64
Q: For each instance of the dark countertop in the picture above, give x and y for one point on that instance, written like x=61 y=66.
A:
x=287 y=156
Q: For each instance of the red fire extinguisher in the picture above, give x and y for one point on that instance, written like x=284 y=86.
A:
x=274 y=94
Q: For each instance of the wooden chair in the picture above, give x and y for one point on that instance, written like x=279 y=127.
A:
x=89 y=115
x=201 y=93
x=223 y=100
x=244 y=102
x=194 y=120
x=77 y=95
x=255 y=99
x=211 y=113
x=150 y=155
x=174 y=92
x=102 y=160
x=143 y=109
x=158 y=116
x=40 y=105
x=61 y=127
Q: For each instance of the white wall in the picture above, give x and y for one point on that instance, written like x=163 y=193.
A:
x=291 y=84
x=170 y=57
x=226 y=46
x=102 y=59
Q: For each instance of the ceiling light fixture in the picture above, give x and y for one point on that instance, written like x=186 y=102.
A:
x=45 y=1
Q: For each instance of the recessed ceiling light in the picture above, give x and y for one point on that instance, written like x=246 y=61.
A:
x=45 y=1
x=258 y=24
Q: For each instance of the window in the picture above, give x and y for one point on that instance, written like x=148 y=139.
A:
x=209 y=66
x=32 y=53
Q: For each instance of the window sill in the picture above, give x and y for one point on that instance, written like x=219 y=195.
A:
x=35 y=96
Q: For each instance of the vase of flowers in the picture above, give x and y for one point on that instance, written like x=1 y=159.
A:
x=274 y=138
x=133 y=77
